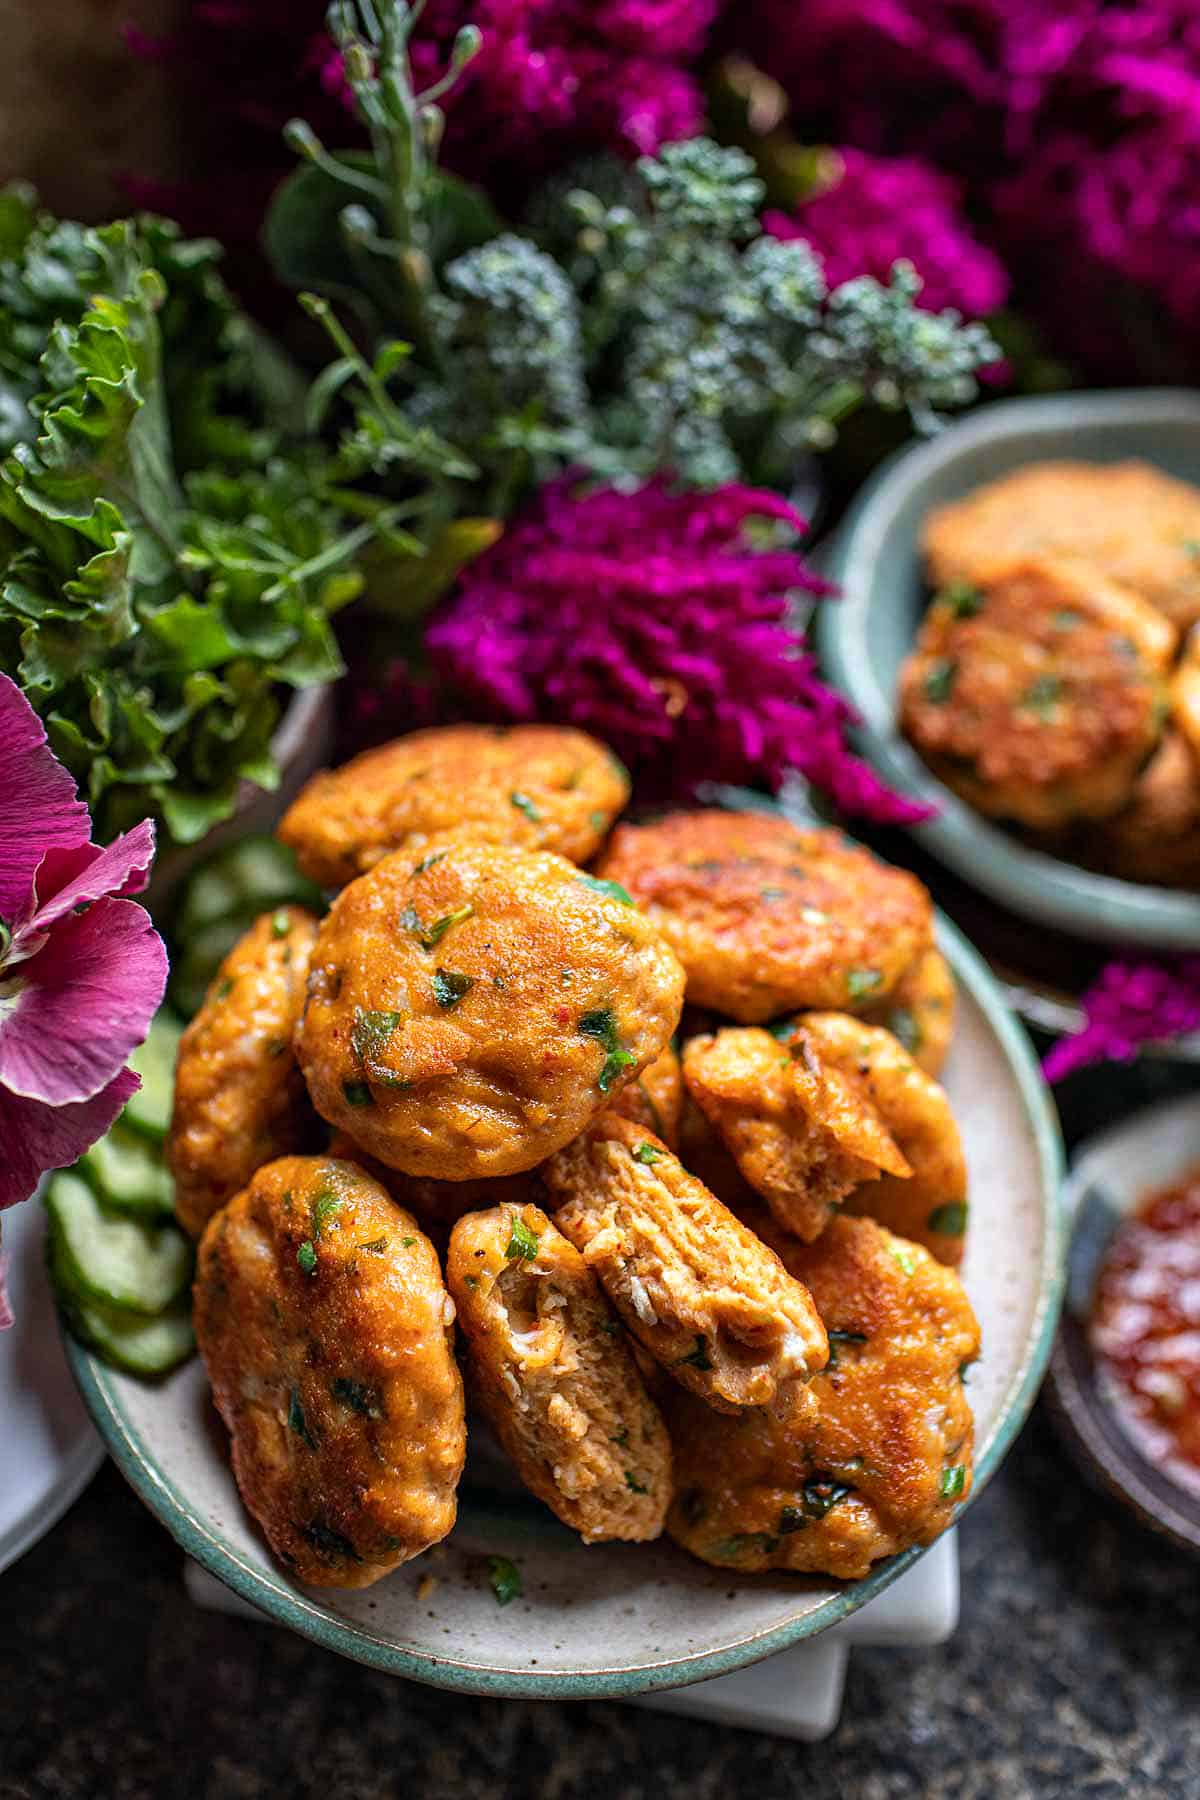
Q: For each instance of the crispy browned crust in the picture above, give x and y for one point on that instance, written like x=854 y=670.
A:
x=327 y=1336
x=766 y=917
x=1042 y=705
x=873 y=1455
x=550 y=1367
x=698 y=1290
x=1132 y=522
x=538 y=787
x=929 y=1206
x=517 y=1000
x=240 y=1099
x=801 y=1134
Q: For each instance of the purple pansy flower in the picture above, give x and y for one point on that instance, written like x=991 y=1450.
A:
x=82 y=970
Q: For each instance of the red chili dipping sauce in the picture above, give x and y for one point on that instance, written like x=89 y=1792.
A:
x=1145 y=1328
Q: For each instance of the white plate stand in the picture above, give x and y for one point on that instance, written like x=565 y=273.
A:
x=797 y=1694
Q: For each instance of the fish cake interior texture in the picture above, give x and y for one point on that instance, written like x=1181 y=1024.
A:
x=1055 y=680
x=700 y=1280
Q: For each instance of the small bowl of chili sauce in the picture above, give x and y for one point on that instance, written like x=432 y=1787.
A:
x=1124 y=1379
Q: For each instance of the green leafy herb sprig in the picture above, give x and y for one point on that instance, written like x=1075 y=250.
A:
x=641 y=323
x=172 y=547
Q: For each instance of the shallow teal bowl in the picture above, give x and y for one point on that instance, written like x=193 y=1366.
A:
x=865 y=636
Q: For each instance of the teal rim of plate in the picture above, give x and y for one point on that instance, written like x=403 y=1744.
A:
x=1027 y=880
x=287 y=1606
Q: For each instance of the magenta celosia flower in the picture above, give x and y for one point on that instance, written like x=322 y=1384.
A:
x=82 y=969
x=1130 y=1004
x=650 y=619
x=882 y=208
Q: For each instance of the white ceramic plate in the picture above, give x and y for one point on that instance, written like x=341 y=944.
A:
x=48 y=1449
x=614 y=1620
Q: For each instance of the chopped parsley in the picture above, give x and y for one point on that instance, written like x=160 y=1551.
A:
x=647 y=1153
x=505 y=1579
x=960 y=599
x=357 y=1093
x=407 y=1243
x=449 y=987
x=951 y=1218
x=472 y=1281
x=634 y=1485
x=224 y=988
x=297 y=1421
x=358 y=1397
x=427 y=862
x=601 y=1024
x=432 y=935
x=376 y=1247
x=525 y=805
x=861 y=982
x=329 y=1543
x=939 y=680
x=732 y=1547
x=902 y=1254
x=324 y=1205
x=620 y=1437
x=369 y=1038
x=598 y=821
x=523 y=1243
x=612 y=889
x=281 y=924
x=699 y=1357
x=1066 y=619
x=772 y=893
x=783 y=1028
x=953 y=1481
x=791 y=1519
x=838 y=1339
x=1043 y=695
x=906 y=1027
x=821 y=1493
x=611 y=1327
x=306 y=1256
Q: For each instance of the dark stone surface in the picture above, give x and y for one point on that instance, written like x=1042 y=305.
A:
x=1075 y=1672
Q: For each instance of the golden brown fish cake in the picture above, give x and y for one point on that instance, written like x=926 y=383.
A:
x=534 y=787
x=655 y=1099
x=920 y=1011
x=1185 y=691
x=240 y=1099
x=328 y=1338
x=873 y=1455
x=1132 y=522
x=803 y=1135
x=766 y=917
x=930 y=1205
x=1156 y=838
x=709 y=1302
x=1027 y=695
x=466 y=1017
x=551 y=1370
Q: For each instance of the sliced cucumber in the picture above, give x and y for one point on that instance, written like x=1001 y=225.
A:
x=220 y=901
x=149 y=1110
x=138 y=1345
x=117 y=1261
x=240 y=882
x=129 y=1174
